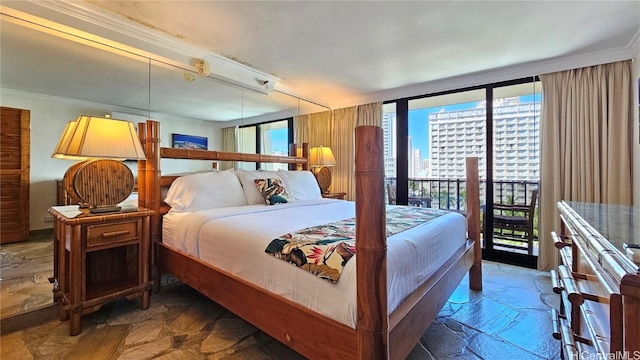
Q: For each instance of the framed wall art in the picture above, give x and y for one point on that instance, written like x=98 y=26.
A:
x=181 y=141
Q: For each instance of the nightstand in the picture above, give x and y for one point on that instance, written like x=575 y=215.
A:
x=339 y=195
x=99 y=258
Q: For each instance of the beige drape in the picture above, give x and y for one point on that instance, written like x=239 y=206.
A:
x=301 y=130
x=344 y=121
x=314 y=129
x=586 y=143
x=336 y=130
x=229 y=143
x=370 y=114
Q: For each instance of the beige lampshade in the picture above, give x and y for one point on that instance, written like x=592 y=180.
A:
x=97 y=137
x=101 y=181
x=321 y=156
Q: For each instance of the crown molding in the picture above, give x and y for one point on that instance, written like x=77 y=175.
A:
x=173 y=50
x=496 y=75
x=72 y=102
x=288 y=90
x=97 y=106
x=168 y=49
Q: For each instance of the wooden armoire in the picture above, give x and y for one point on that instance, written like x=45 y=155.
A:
x=14 y=174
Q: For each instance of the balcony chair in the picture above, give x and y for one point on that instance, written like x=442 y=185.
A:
x=391 y=194
x=516 y=218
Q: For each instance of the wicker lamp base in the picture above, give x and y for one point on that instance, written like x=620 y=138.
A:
x=323 y=175
x=103 y=184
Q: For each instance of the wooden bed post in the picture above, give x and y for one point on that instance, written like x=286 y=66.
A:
x=473 y=222
x=293 y=151
x=149 y=189
x=371 y=245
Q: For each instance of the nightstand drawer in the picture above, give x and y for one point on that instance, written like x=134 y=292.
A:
x=105 y=234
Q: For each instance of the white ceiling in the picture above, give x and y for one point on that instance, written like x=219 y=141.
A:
x=332 y=53
x=342 y=51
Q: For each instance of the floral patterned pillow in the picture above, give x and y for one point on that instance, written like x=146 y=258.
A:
x=273 y=191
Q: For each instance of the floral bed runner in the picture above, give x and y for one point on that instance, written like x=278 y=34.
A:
x=325 y=249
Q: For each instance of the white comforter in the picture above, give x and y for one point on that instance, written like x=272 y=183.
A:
x=234 y=239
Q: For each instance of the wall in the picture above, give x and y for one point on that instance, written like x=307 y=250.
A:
x=48 y=119
x=171 y=125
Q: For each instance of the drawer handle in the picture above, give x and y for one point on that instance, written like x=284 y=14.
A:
x=557 y=242
x=115 y=233
x=555 y=282
x=570 y=285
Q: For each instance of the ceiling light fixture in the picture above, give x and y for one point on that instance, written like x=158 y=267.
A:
x=230 y=71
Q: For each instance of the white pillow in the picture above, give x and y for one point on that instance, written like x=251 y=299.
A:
x=301 y=185
x=205 y=191
x=252 y=195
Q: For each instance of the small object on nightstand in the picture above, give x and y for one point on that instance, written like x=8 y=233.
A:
x=339 y=195
x=632 y=251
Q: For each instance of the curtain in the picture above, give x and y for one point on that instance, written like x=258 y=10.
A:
x=586 y=143
x=314 y=129
x=343 y=143
x=344 y=123
x=301 y=130
x=335 y=129
x=320 y=129
x=370 y=114
x=229 y=143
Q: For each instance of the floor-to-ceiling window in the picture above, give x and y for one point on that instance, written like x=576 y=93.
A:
x=432 y=135
x=270 y=138
x=443 y=131
x=515 y=159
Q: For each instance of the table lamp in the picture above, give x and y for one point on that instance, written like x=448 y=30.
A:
x=101 y=180
x=319 y=159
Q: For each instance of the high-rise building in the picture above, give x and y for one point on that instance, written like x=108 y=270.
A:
x=389 y=137
x=458 y=134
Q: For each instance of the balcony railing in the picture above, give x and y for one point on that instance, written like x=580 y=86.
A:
x=451 y=194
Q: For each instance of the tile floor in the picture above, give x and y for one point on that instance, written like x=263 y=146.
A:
x=510 y=319
x=24 y=271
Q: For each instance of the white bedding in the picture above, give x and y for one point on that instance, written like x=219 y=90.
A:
x=234 y=239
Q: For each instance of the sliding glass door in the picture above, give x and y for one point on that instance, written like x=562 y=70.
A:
x=512 y=222
x=428 y=138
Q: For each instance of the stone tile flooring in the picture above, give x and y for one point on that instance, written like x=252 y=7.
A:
x=25 y=268
x=510 y=319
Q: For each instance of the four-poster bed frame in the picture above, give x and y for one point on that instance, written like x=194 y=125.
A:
x=378 y=335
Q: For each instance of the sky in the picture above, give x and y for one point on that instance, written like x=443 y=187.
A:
x=279 y=140
x=419 y=121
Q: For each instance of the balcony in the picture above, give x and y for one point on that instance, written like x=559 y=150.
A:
x=440 y=193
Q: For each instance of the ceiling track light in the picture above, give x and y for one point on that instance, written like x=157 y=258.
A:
x=235 y=73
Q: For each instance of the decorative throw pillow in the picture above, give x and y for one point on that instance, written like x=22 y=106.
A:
x=247 y=177
x=273 y=190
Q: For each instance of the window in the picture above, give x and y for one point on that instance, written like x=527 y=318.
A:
x=270 y=138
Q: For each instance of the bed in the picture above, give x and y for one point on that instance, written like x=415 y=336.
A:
x=377 y=320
